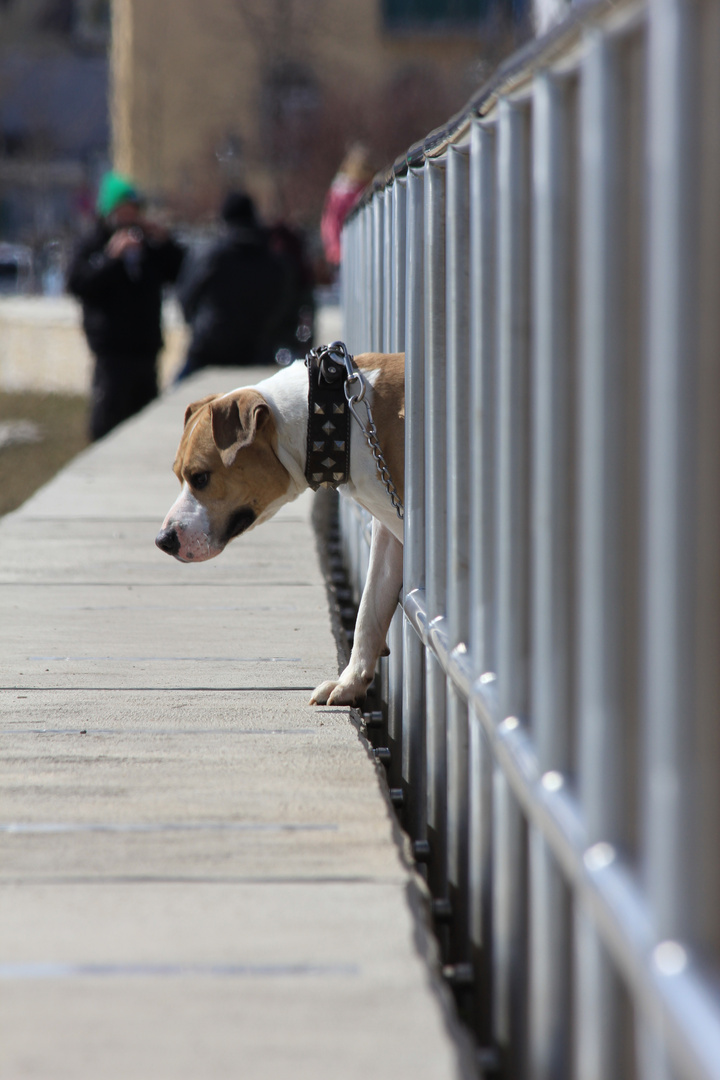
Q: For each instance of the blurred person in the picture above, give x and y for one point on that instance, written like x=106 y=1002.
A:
x=118 y=273
x=351 y=179
x=234 y=295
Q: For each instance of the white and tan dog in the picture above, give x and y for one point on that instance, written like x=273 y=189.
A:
x=242 y=457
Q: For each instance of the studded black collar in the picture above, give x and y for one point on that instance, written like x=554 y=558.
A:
x=328 y=431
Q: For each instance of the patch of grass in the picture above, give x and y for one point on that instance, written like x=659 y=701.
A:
x=24 y=467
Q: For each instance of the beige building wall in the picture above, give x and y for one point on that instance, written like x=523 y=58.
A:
x=189 y=73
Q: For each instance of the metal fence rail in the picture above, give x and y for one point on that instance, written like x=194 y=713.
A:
x=550 y=262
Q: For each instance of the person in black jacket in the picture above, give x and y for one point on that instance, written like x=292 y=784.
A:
x=118 y=273
x=234 y=295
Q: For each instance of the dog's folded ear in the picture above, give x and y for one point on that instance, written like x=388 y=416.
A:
x=192 y=409
x=235 y=423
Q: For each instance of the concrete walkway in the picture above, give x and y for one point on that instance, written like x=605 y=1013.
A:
x=199 y=875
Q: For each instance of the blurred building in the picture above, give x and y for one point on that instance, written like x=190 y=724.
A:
x=54 y=130
x=208 y=93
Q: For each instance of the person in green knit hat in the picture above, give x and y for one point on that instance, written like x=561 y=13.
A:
x=115 y=189
x=118 y=273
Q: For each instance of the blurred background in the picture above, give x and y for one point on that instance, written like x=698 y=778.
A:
x=191 y=97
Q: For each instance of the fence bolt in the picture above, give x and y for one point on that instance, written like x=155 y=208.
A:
x=459 y=975
x=421 y=851
x=382 y=753
x=397 y=796
x=442 y=910
x=373 y=719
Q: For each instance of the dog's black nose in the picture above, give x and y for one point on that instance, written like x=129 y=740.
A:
x=168 y=540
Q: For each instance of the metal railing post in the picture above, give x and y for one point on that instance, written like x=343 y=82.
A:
x=509 y=919
x=673 y=822
x=367 y=280
x=413 y=756
x=389 y=252
x=552 y=565
x=482 y=348
x=397 y=304
x=600 y=600
x=435 y=514
x=457 y=306
x=394 y=270
x=377 y=287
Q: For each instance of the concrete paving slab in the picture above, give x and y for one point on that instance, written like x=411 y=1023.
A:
x=154 y=713
x=223 y=1026
x=134 y=631
x=199 y=873
x=75 y=550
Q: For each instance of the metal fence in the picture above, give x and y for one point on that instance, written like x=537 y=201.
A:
x=550 y=263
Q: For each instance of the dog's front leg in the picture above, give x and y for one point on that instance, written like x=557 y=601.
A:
x=377 y=607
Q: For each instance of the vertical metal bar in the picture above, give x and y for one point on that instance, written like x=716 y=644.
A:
x=512 y=410
x=346 y=278
x=480 y=893
x=671 y=825
x=381 y=270
x=394 y=698
x=596 y=1008
x=483 y=341
x=600 y=742
x=598 y=1042
x=355 y=314
x=413 y=756
x=509 y=917
x=508 y=927
x=354 y=334
x=482 y=347
x=399 y=199
x=367 y=285
x=436 y=517
x=389 y=253
x=458 y=377
x=671 y=508
x=376 y=293
x=457 y=306
x=414 y=525
x=549 y=1049
x=706 y=870
x=356 y=295
x=435 y=388
x=394 y=257
x=553 y=383
x=378 y=275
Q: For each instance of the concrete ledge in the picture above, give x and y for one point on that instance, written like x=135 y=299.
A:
x=43 y=348
x=199 y=873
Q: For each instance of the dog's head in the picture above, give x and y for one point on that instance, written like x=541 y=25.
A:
x=230 y=474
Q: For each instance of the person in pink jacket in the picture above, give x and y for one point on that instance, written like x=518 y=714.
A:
x=351 y=179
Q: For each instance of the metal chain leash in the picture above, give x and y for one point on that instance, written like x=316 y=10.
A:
x=355 y=397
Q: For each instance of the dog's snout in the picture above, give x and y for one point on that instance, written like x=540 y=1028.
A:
x=168 y=540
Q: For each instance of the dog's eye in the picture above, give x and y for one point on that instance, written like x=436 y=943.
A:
x=200 y=480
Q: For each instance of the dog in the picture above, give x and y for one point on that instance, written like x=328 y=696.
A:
x=242 y=456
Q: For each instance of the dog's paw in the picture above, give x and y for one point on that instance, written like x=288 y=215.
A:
x=340 y=692
x=322 y=692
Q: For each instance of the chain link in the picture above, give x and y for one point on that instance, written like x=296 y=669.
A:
x=371 y=437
